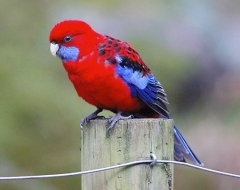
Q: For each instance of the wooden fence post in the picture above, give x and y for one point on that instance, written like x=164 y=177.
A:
x=130 y=140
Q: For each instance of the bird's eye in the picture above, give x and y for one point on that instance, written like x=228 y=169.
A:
x=67 y=39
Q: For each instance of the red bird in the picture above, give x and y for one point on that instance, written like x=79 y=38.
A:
x=110 y=74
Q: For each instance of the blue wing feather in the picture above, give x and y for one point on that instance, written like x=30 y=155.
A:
x=145 y=86
x=150 y=91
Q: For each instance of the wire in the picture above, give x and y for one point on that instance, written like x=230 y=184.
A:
x=119 y=166
x=75 y=173
x=200 y=168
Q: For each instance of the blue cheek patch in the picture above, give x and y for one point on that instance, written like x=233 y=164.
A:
x=68 y=53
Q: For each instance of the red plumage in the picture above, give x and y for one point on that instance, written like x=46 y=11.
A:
x=94 y=76
x=98 y=85
x=110 y=74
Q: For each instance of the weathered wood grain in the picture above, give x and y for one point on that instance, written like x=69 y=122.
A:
x=129 y=140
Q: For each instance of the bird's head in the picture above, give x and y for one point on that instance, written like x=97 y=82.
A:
x=71 y=40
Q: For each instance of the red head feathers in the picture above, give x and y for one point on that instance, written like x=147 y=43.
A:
x=73 y=33
x=69 y=28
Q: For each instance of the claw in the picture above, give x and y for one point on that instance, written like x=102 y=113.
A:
x=90 y=117
x=114 y=120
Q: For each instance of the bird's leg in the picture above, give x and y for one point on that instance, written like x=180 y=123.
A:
x=113 y=120
x=90 y=117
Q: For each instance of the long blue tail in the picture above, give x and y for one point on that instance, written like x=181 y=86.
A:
x=182 y=151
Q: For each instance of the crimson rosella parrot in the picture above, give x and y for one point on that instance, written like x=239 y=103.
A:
x=109 y=74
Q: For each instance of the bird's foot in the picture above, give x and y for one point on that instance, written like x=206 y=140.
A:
x=90 y=117
x=113 y=120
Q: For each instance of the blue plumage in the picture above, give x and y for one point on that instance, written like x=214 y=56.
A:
x=145 y=86
x=130 y=75
x=149 y=90
x=68 y=53
x=182 y=150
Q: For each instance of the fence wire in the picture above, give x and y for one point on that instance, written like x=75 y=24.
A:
x=151 y=162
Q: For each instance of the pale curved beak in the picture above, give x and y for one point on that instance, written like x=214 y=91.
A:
x=54 y=48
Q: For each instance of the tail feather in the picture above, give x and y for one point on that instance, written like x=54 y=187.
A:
x=182 y=151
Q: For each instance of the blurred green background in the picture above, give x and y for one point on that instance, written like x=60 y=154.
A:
x=192 y=47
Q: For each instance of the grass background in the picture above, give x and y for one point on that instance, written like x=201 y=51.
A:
x=192 y=47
